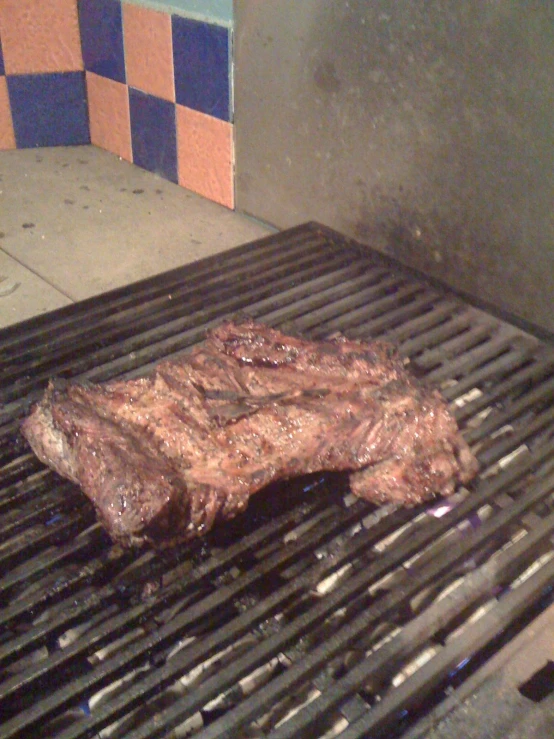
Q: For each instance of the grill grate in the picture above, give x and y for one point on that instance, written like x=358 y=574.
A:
x=314 y=614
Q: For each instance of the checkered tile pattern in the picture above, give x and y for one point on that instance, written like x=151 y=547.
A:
x=159 y=93
x=149 y=86
x=42 y=83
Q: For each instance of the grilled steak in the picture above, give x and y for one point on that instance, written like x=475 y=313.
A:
x=164 y=457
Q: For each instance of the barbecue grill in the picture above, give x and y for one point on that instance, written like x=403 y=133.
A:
x=313 y=614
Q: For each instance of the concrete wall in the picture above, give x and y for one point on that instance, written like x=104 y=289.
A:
x=424 y=128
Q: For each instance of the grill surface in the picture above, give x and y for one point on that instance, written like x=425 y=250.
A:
x=313 y=614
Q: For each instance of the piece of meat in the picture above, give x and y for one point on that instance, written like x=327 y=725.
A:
x=166 y=456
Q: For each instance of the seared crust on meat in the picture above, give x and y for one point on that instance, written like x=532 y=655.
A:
x=166 y=456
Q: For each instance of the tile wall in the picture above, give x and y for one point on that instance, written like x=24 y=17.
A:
x=157 y=86
x=42 y=82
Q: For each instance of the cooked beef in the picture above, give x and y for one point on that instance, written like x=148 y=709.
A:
x=166 y=456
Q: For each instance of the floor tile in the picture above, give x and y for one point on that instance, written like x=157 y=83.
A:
x=108 y=108
x=99 y=222
x=153 y=134
x=23 y=294
x=102 y=38
x=7 y=138
x=49 y=109
x=148 y=51
x=40 y=36
x=201 y=62
x=205 y=155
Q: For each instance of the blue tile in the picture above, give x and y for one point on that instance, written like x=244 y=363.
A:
x=2 y=70
x=201 y=63
x=102 y=38
x=49 y=109
x=153 y=134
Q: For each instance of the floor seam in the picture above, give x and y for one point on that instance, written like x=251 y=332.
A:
x=37 y=274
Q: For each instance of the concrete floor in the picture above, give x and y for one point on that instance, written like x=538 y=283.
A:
x=77 y=221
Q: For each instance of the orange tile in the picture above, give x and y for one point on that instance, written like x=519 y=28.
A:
x=148 y=51
x=7 y=138
x=40 y=36
x=108 y=112
x=205 y=155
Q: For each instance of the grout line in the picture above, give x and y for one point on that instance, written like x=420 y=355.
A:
x=37 y=274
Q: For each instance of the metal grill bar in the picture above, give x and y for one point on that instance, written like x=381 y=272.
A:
x=79 y=687
x=109 y=592
x=313 y=663
x=533 y=373
x=508 y=610
x=164 y=326
x=76 y=317
x=318 y=574
x=271 y=645
x=188 y=659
